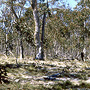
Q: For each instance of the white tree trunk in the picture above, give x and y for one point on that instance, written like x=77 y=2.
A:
x=21 y=50
x=37 y=30
x=38 y=44
x=36 y=20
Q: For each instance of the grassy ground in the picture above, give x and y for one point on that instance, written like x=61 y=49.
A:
x=33 y=74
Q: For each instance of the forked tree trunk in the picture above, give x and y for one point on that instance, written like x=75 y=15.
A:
x=38 y=44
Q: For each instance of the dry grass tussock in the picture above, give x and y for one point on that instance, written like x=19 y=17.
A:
x=47 y=74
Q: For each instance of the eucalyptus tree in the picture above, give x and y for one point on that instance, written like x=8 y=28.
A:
x=83 y=20
x=6 y=26
x=38 y=42
x=58 y=32
x=19 y=6
x=16 y=8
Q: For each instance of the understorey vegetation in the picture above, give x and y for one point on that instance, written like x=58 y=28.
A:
x=45 y=75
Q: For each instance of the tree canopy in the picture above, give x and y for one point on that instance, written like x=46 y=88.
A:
x=64 y=31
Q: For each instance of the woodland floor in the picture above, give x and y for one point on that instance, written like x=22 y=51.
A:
x=46 y=75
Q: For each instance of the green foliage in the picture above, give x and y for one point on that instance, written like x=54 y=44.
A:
x=63 y=25
x=85 y=85
x=57 y=87
x=66 y=85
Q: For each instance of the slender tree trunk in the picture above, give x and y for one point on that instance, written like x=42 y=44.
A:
x=42 y=36
x=6 y=44
x=17 y=51
x=1 y=46
x=21 y=48
x=21 y=43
